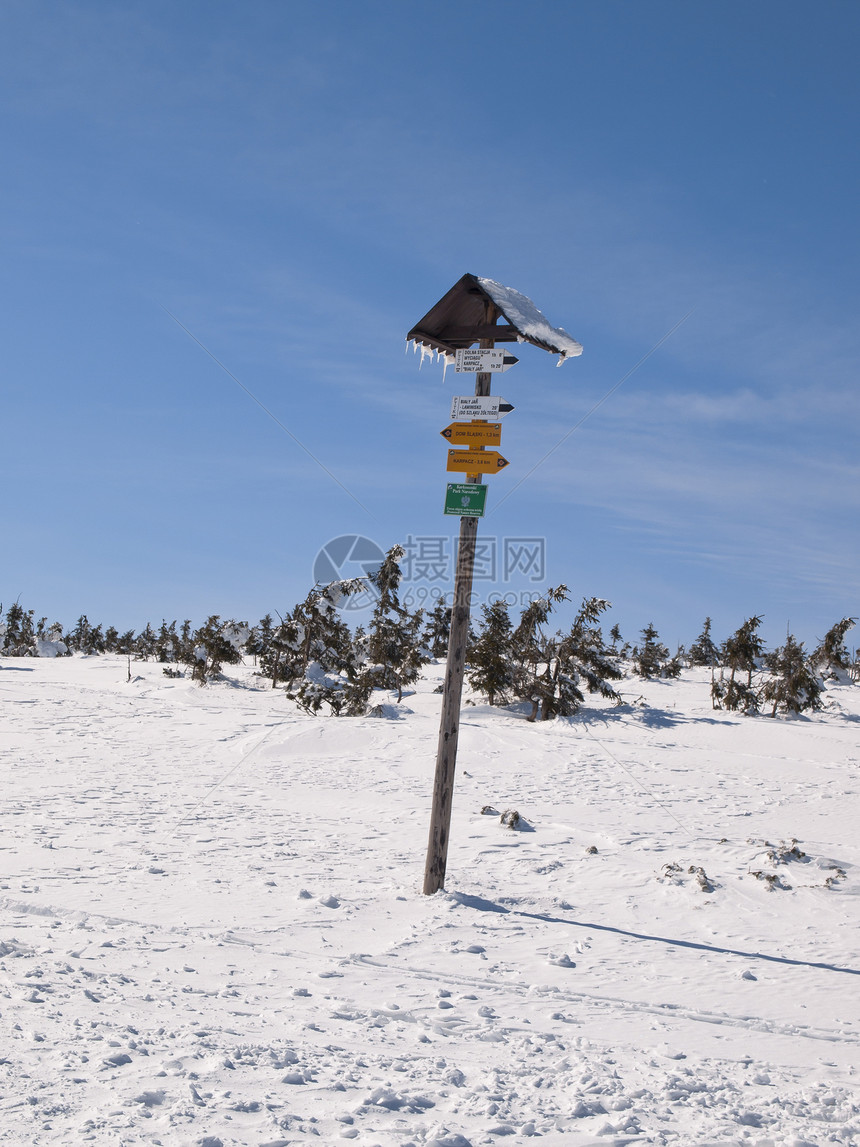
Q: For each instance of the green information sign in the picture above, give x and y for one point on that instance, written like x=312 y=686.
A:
x=465 y=499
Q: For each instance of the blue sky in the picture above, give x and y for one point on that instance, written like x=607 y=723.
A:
x=299 y=182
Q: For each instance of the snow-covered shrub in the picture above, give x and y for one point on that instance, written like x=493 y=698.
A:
x=792 y=686
x=214 y=644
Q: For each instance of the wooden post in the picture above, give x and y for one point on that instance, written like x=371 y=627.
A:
x=449 y=726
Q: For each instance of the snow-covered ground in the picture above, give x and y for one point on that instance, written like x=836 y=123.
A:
x=212 y=930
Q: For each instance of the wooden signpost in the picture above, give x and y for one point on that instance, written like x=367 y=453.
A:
x=458 y=636
x=469 y=313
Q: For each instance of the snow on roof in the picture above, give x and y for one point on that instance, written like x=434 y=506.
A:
x=521 y=312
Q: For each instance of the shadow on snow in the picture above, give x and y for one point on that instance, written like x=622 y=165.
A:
x=481 y=904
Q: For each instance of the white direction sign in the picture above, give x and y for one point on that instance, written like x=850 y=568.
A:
x=485 y=361
x=490 y=406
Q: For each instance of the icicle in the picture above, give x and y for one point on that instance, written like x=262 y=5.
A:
x=433 y=354
x=427 y=352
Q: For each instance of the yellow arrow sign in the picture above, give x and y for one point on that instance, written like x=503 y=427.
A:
x=474 y=433
x=475 y=461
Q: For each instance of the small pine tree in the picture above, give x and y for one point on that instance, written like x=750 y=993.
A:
x=533 y=653
x=331 y=663
x=548 y=670
x=214 y=645
x=312 y=632
x=278 y=657
x=78 y=638
x=581 y=656
x=125 y=643
x=96 y=643
x=793 y=686
x=740 y=654
x=85 y=638
x=703 y=651
x=675 y=664
x=393 y=645
x=438 y=627
x=19 y=639
x=166 y=643
x=145 y=643
x=185 y=641
x=651 y=658
x=490 y=656
x=260 y=638
x=831 y=657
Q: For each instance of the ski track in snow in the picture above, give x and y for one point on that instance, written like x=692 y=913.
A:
x=212 y=932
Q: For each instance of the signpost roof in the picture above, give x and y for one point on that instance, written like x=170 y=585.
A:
x=458 y=320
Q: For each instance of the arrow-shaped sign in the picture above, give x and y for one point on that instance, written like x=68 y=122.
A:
x=475 y=461
x=489 y=406
x=474 y=433
x=485 y=361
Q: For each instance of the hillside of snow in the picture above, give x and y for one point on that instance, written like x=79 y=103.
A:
x=212 y=930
